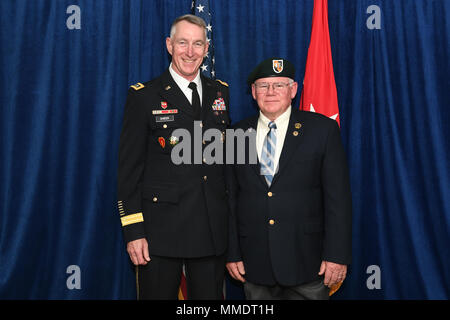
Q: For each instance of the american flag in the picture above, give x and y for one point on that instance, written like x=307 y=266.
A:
x=200 y=8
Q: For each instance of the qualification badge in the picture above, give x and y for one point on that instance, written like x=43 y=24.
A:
x=173 y=140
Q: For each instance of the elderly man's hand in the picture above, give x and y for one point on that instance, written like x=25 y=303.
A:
x=138 y=251
x=334 y=272
x=236 y=270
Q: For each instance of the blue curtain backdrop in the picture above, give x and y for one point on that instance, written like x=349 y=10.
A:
x=62 y=93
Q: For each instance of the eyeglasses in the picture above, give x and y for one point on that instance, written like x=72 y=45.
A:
x=263 y=87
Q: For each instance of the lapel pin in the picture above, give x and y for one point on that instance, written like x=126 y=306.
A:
x=298 y=125
x=167 y=88
x=295 y=133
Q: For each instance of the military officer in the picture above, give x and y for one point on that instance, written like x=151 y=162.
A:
x=174 y=214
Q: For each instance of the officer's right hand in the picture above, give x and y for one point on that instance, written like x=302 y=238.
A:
x=138 y=251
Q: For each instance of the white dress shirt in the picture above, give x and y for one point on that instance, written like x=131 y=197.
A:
x=183 y=84
x=262 y=130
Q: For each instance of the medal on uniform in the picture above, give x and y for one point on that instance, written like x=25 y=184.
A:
x=168 y=111
x=219 y=105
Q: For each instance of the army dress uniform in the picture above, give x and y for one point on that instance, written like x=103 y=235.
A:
x=180 y=209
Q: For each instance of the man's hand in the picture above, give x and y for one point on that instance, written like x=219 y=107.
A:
x=334 y=272
x=138 y=251
x=236 y=270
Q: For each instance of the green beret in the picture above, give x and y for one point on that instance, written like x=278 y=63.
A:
x=273 y=67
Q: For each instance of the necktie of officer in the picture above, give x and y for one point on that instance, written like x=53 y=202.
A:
x=268 y=154
x=195 y=101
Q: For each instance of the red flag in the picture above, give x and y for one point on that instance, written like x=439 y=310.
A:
x=182 y=290
x=319 y=92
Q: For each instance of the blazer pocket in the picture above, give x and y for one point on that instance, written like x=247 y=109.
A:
x=161 y=194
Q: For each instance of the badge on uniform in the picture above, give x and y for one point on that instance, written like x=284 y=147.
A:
x=138 y=86
x=164 y=104
x=277 y=65
x=162 y=142
x=173 y=140
x=219 y=104
x=164 y=118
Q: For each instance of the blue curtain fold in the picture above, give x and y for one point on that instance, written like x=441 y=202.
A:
x=62 y=94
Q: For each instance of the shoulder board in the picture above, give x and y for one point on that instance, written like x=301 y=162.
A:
x=137 y=86
x=223 y=83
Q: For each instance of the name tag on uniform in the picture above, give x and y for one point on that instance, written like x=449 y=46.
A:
x=164 y=118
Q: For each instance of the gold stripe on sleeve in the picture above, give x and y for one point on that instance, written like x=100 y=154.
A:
x=132 y=218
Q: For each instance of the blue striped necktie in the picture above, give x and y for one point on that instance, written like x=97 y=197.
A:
x=268 y=154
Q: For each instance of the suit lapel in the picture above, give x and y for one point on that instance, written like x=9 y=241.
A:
x=253 y=124
x=173 y=94
x=292 y=140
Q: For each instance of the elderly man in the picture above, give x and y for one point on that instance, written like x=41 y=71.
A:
x=174 y=214
x=290 y=226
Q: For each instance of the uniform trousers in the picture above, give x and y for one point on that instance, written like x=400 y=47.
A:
x=160 y=278
x=314 y=290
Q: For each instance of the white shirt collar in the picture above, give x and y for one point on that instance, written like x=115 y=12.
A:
x=183 y=84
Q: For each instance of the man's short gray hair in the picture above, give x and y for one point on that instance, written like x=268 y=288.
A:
x=189 y=18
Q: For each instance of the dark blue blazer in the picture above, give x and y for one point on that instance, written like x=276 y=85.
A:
x=283 y=233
